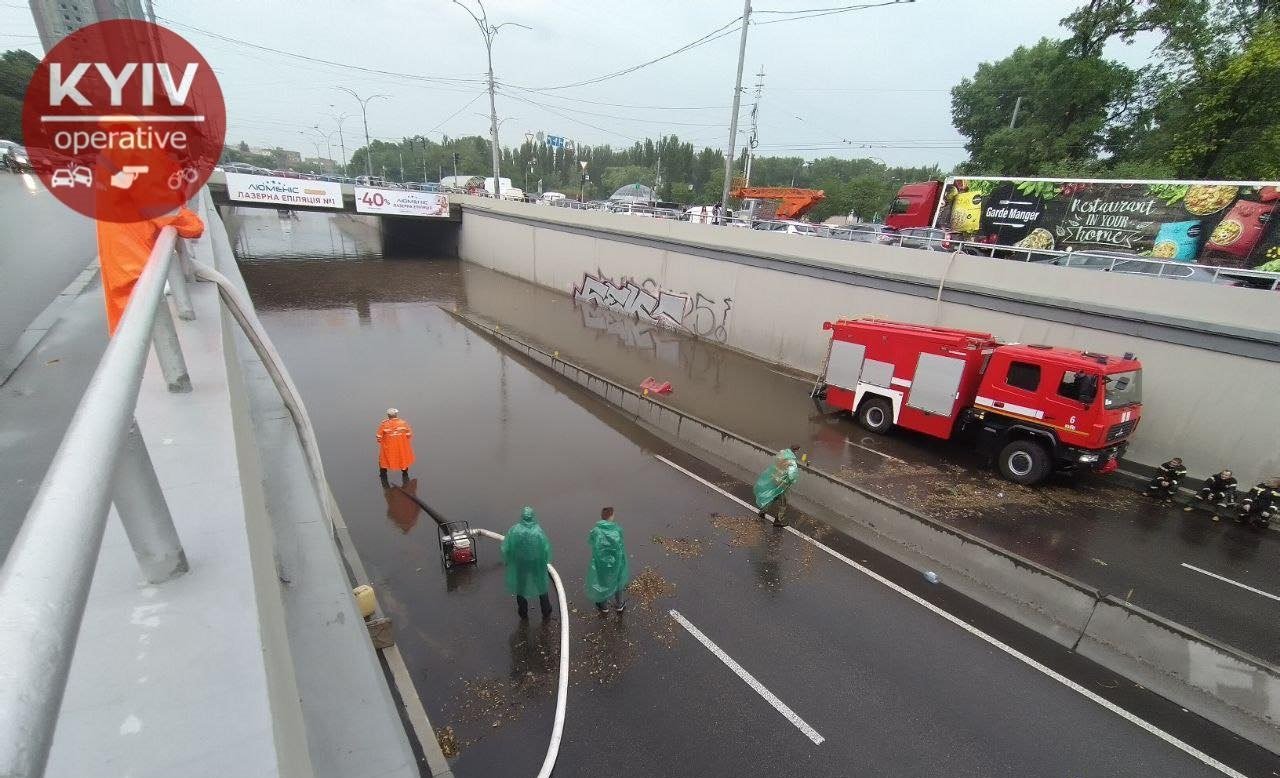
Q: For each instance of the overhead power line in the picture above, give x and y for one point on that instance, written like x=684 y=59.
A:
x=318 y=60
x=716 y=34
x=813 y=13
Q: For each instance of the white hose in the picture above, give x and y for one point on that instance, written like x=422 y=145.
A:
x=562 y=690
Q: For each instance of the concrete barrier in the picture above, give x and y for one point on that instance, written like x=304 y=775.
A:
x=767 y=294
x=1225 y=686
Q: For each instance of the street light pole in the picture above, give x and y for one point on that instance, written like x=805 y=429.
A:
x=737 y=98
x=364 y=113
x=342 y=143
x=490 y=32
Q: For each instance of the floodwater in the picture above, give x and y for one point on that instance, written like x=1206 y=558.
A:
x=493 y=433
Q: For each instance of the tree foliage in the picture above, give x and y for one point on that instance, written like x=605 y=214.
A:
x=16 y=68
x=1203 y=108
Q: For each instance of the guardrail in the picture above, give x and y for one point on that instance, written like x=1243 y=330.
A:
x=1152 y=267
x=102 y=459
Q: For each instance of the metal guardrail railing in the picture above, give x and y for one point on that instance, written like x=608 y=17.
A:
x=102 y=459
x=1152 y=267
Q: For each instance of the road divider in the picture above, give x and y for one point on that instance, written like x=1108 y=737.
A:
x=1224 y=685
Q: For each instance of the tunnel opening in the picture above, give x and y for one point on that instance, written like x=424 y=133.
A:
x=409 y=236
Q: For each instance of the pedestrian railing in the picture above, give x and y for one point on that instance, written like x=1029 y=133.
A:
x=44 y=584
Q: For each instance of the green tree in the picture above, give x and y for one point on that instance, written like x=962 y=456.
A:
x=1067 y=92
x=16 y=68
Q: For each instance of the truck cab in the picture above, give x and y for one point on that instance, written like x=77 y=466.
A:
x=914 y=205
x=1038 y=408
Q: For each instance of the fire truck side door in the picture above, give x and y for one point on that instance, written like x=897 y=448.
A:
x=934 y=386
x=844 y=367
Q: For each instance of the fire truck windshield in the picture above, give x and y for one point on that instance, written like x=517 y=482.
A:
x=1123 y=388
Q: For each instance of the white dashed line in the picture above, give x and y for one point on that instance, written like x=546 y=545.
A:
x=1233 y=583
x=1011 y=651
x=873 y=451
x=750 y=679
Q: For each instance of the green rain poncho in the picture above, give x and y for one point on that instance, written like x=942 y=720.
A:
x=608 y=572
x=777 y=478
x=526 y=552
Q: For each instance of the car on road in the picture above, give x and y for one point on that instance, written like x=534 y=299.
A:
x=1132 y=264
x=860 y=233
x=927 y=238
x=788 y=227
x=14 y=156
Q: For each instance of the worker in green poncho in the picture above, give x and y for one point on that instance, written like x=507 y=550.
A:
x=772 y=485
x=526 y=552
x=608 y=574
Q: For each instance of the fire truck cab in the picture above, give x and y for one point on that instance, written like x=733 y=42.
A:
x=1034 y=408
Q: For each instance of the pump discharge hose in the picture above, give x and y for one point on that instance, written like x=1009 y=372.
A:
x=562 y=689
x=240 y=309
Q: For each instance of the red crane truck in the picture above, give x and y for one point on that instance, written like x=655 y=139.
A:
x=1035 y=408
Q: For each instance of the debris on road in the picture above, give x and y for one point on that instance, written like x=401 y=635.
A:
x=685 y=548
x=448 y=742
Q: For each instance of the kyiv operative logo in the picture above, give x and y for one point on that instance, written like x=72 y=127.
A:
x=124 y=120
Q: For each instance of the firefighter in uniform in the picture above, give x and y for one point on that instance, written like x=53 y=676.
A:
x=1219 y=491
x=1164 y=484
x=1261 y=504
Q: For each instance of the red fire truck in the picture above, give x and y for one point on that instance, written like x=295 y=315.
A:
x=1035 y=408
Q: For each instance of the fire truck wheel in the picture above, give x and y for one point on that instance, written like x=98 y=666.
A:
x=1025 y=462
x=876 y=414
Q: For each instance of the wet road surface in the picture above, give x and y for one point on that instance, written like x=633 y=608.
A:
x=1094 y=529
x=44 y=246
x=891 y=688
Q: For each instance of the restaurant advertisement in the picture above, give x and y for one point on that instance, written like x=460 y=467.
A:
x=1226 y=224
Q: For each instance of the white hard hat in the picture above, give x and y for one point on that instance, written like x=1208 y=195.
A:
x=393 y=412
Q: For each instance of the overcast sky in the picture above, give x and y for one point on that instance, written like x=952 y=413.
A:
x=878 y=76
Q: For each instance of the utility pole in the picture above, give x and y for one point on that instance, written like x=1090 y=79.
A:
x=737 y=101
x=490 y=31
x=753 y=141
x=1016 y=105
x=364 y=113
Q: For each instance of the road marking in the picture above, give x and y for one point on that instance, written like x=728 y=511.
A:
x=1010 y=650
x=750 y=679
x=1228 y=580
x=707 y=483
x=873 y=451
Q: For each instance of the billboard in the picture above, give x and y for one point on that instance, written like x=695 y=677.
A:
x=278 y=190
x=1217 y=223
x=401 y=202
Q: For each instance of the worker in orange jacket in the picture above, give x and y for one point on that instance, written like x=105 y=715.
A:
x=123 y=249
x=395 y=446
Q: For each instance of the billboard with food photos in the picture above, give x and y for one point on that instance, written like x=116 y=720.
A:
x=1227 y=223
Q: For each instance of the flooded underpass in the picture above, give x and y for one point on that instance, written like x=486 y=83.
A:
x=863 y=668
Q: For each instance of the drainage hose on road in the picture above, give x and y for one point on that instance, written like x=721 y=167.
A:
x=562 y=688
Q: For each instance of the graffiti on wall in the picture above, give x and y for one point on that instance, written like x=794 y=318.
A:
x=695 y=313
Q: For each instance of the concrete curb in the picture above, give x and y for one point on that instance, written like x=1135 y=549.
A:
x=1224 y=685
x=42 y=323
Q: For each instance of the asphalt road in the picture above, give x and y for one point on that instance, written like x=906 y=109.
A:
x=43 y=246
x=1095 y=529
x=887 y=685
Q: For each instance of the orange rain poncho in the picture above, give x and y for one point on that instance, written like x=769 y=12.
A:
x=395 y=444
x=123 y=249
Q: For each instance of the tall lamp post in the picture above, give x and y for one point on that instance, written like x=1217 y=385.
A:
x=582 y=186
x=364 y=113
x=490 y=31
x=342 y=143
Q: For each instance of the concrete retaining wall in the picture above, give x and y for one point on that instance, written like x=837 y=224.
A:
x=1211 y=353
x=1225 y=686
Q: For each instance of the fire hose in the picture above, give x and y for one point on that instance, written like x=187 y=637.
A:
x=240 y=307
x=562 y=688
